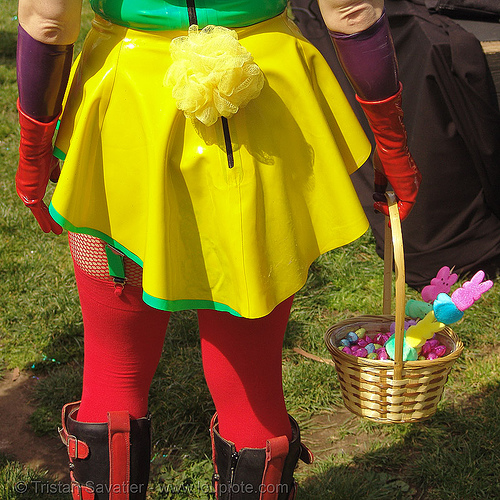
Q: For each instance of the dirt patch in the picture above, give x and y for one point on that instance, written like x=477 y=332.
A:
x=337 y=432
x=17 y=440
x=326 y=434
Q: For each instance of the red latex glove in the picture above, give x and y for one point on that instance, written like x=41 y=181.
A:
x=36 y=166
x=392 y=161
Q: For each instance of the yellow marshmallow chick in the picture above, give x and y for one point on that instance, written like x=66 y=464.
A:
x=417 y=334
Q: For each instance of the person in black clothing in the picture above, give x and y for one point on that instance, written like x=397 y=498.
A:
x=453 y=124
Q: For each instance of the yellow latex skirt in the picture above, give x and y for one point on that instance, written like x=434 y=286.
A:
x=157 y=186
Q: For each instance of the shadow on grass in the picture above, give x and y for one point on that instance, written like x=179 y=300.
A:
x=453 y=455
x=179 y=398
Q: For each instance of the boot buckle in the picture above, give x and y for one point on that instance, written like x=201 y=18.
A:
x=77 y=448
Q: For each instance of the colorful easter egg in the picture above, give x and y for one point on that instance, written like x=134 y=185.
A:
x=352 y=337
x=361 y=353
x=440 y=350
x=370 y=347
x=360 y=332
x=362 y=342
x=382 y=353
x=426 y=348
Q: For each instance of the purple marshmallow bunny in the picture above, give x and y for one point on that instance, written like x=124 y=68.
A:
x=471 y=291
x=442 y=283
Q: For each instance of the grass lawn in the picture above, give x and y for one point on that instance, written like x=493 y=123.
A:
x=453 y=455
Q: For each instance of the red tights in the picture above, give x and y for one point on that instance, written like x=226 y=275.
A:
x=241 y=361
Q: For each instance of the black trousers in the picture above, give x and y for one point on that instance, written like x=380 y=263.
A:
x=453 y=124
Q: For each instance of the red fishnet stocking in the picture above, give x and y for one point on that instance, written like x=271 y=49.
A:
x=89 y=255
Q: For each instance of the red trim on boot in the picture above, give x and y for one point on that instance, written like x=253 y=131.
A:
x=213 y=422
x=119 y=455
x=76 y=448
x=276 y=452
x=79 y=492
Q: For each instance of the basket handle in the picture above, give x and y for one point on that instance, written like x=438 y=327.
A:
x=393 y=245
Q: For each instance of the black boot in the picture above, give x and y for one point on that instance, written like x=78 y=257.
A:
x=108 y=460
x=257 y=473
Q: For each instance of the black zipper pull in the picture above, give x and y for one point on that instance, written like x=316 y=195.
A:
x=234 y=461
x=227 y=141
x=193 y=18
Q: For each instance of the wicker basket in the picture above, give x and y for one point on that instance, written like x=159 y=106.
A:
x=391 y=391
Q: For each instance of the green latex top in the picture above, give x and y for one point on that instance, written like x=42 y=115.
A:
x=154 y=15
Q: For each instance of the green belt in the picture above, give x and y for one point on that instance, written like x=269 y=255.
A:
x=155 y=15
